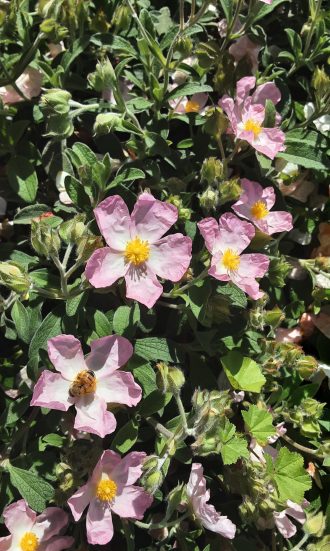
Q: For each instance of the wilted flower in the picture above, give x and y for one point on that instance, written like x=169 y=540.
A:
x=226 y=241
x=88 y=383
x=205 y=512
x=29 y=532
x=29 y=83
x=247 y=114
x=255 y=204
x=111 y=489
x=136 y=249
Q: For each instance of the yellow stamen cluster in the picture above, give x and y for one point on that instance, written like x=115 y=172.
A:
x=252 y=126
x=230 y=260
x=137 y=251
x=29 y=542
x=192 y=106
x=259 y=210
x=106 y=490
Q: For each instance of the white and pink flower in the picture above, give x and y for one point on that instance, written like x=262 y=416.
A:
x=245 y=48
x=198 y=497
x=282 y=521
x=225 y=241
x=110 y=490
x=29 y=532
x=247 y=114
x=88 y=383
x=195 y=104
x=255 y=204
x=136 y=249
x=29 y=83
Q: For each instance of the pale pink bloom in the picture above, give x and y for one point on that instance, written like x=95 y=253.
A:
x=59 y=182
x=180 y=76
x=111 y=489
x=267 y=1
x=29 y=532
x=247 y=113
x=199 y=496
x=88 y=383
x=284 y=524
x=238 y=396
x=284 y=335
x=29 y=83
x=244 y=48
x=226 y=241
x=255 y=203
x=280 y=431
x=55 y=49
x=300 y=189
x=136 y=249
x=195 y=104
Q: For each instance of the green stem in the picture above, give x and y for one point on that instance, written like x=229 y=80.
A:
x=191 y=283
x=73 y=268
x=129 y=536
x=301 y=448
x=299 y=545
x=182 y=412
x=312 y=28
x=64 y=285
x=160 y=525
x=67 y=256
x=181 y=9
x=160 y=428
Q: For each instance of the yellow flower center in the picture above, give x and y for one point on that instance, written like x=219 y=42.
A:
x=106 y=490
x=252 y=126
x=137 y=251
x=259 y=210
x=230 y=260
x=192 y=106
x=29 y=542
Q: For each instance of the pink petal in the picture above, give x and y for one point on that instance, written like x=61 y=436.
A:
x=284 y=525
x=200 y=98
x=217 y=268
x=104 y=267
x=214 y=521
x=114 y=221
x=107 y=462
x=119 y=388
x=196 y=486
x=253 y=265
x=142 y=285
x=99 y=524
x=277 y=221
x=66 y=355
x=92 y=416
x=20 y=515
x=266 y=91
x=270 y=142
x=108 y=354
x=234 y=233
x=57 y=544
x=129 y=469
x=80 y=499
x=268 y=195
x=152 y=218
x=51 y=522
x=243 y=88
x=253 y=112
x=296 y=511
x=52 y=391
x=170 y=257
x=132 y=502
x=6 y=542
x=209 y=229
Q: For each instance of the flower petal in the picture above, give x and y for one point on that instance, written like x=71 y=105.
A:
x=129 y=469
x=108 y=354
x=57 y=544
x=119 y=388
x=92 y=416
x=215 y=522
x=104 y=267
x=52 y=391
x=107 y=462
x=99 y=524
x=276 y=222
x=243 y=88
x=234 y=233
x=151 y=218
x=19 y=516
x=170 y=257
x=7 y=541
x=80 y=500
x=265 y=92
x=284 y=524
x=132 y=502
x=51 y=521
x=196 y=486
x=209 y=229
x=142 y=285
x=114 y=221
x=66 y=355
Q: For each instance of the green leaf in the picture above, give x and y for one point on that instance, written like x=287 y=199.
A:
x=127 y=174
x=53 y=439
x=305 y=149
x=76 y=192
x=233 y=447
x=26 y=214
x=50 y=327
x=20 y=318
x=266 y=9
x=36 y=491
x=146 y=377
x=235 y=295
x=188 y=90
x=100 y=323
x=22 y=178
x=289 y=475
x=155 y=401
x=126 y=437
x=242 y=372
x=158 y=348
x=259 y=424
x=85 y=155
x=126 y=319
x=198 y=298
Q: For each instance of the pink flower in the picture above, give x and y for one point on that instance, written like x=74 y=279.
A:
x=195 y=104
x=247 y=113
x=244 y=48
x=111 y=488
x=225 y=241
x=206 y=513
x=284 y=524
x=137 y=251
x=55 y=49
x=255 y=204
x=267 y=1
x=29 y=83
x=29 y=532
x=88 y=383
x=284 y=335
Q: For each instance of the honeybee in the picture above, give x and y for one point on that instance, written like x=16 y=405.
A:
x=84 y=383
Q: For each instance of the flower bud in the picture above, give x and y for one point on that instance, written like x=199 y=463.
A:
x=216 y=122
x=209 y=199
x=278 y=271
x=184 y=46
x=55 y=101
x=230 y=190
x=211 y=171
x=150 y=463
x=13 y=276
x=87 y=244
x=99 y=22
x=121 y=18
x=169 y=379
x=315 y=524
x=273 y=317
x=72 y=230
x=105 y=123
x=321 y=82
x=104 y=77
x=152 y=480
x=44 y=239
x=183 y=213
x=54 y=31
x=307 y=366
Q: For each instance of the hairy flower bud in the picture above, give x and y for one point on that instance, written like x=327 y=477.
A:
x=184 y=46
x=13 y=276
x=209 y=199
x=87 y=244
x=230 y=190
x=104 y=76
x=216 y=122
x=56 y=101
x=321 y=83
x=169 y=379
x=44 y=239
x=105 y=123
x=278 y=271
x=72 y=230
x=315 y=524
x=211 y=171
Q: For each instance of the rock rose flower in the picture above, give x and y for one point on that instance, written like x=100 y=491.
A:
x=136 y=249
x=225 y=241
x=194 y=104
x=245 y=48
x=29 y=532
x=111 y=489
x=255 y=204
x=88 y=383
x=29 y=83
x=247 y=113
x=284 y=524
x=205 y=512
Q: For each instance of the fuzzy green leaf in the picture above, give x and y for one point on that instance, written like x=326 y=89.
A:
x=289 y=475
x=259 y=423
x=36 y=491
x=242 y=372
